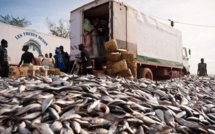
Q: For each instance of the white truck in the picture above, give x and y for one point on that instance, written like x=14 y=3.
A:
x=158 y=47
x=39 y=43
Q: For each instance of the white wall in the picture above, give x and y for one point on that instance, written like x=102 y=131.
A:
x=158 y=40
x=17 y=37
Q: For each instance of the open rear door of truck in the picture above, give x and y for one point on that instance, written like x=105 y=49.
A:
x=124 y=24
x=76 y=35
x=119 y=23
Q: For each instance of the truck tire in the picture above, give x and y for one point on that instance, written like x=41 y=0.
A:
x=147 y=73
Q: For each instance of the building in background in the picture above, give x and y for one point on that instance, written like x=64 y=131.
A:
x=39 y=43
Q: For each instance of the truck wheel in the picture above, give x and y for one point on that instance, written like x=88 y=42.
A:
x=147 y=73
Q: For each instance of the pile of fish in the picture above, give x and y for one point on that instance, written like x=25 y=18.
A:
x=71 y=104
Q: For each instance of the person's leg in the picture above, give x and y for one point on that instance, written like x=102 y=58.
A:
x=84 y=70
x=7 y=71
x=99 y=45
x=2 y=72
x=102 y=47
x=89 y=71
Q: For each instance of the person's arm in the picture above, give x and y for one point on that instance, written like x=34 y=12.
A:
x=198 y=70
x=82 y=57
x=20 y=61
x=55 y=64
x=1 y=59
x=206 y=69
x=42 y=60
x=34 y=59
x=67 y=56
x=88 y=58
x=53 y=61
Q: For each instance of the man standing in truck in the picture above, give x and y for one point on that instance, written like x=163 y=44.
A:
x=4 y=66
x=202 y=68
x=101 y=36
x=85 y=60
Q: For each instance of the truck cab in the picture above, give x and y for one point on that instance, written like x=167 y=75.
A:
x=186 y=54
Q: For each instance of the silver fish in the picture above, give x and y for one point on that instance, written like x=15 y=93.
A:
x=70 y=112
x=27 y=108
x=93 y=105
x=56 y=126
x=113 y=128
x=72 y=116
x=169 y=118
x=101 y=131
x=22 y=128
x=140 y=130
x=66 y=131
x=30 y=116
x=75 y=126
x=53 y=114
x=43 y=128
x=7 y=130
x=46 y=103
x=21 y=88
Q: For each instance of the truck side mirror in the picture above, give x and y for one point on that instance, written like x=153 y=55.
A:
x=189 y=52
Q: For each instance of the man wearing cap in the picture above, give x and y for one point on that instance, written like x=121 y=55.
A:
x=59 y=60
x=66 y=57
x=27 y=57
x=4 y=66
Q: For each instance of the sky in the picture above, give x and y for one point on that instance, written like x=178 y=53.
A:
x=201 y=40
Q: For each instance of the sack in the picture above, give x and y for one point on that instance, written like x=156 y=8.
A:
x=87 y=25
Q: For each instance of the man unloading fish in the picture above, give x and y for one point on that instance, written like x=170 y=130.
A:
x=86 y=63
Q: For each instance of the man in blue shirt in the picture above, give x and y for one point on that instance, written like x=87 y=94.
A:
x=59 y=60
x=66 y=57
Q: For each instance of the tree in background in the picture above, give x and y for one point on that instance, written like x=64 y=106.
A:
x=9 y=19
x=60 y=30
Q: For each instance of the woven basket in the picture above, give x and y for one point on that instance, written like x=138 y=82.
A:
x=119 y=66
x=132 y=64
x=129 y=57
x=19 y=72
x=122 y=51
x=110 y=72
x=111 y=46
x=114 y=57
x=109 y=64
x=133 y=67
x=54 y=71
x=134 y=72
x=125 y=73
